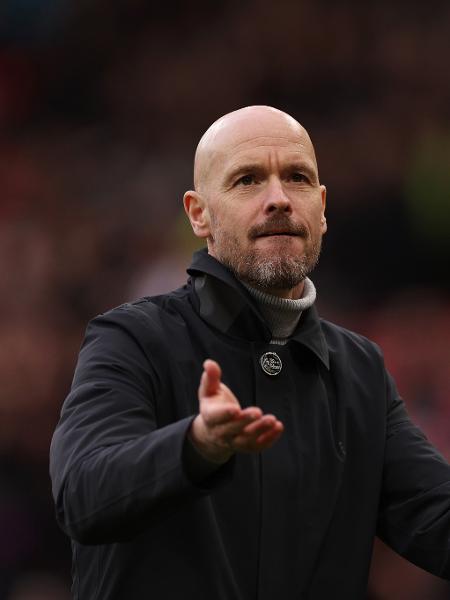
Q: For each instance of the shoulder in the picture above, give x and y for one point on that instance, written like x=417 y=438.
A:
x=147 y=325
x=351 y=344
x=148 y=313
x=358 y=363
x=138 y=333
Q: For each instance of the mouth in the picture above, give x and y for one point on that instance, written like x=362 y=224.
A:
x=278 y=234
x=279 y=227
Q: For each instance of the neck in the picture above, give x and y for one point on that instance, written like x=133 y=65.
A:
x=288 y=294
x=283 y=314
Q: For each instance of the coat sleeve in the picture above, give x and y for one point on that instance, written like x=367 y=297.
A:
x=415 y=503
x=114 y=471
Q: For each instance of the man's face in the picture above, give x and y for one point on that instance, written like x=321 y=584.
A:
x=264 y=202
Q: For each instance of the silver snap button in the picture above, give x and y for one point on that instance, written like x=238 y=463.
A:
x=271 y=363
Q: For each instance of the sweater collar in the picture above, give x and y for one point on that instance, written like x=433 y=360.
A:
x=226 y=305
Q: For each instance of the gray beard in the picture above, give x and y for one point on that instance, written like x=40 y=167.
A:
x=283 y=271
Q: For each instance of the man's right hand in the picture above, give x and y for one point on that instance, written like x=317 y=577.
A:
x=223 y=427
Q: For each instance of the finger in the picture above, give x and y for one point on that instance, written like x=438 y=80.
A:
x=268 y=438
x=253 y=411
x=233 y=427
x=260 y=425
x=261 y=437
x=212 y=367
x=210 y=379
x=218 y=413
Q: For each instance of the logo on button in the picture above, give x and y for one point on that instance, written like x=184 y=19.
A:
x=271 y=363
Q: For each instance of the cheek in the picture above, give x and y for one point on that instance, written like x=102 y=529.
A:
x=234 y=220
x=315 y=210
x=314 y=221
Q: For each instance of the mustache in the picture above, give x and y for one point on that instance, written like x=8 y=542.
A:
x=279 y=224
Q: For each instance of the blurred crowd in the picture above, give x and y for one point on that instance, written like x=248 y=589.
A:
x=101 y=106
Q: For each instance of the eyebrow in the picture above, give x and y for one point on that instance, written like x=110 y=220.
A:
x=242 y=170
x=257 y=168
x=302 y=166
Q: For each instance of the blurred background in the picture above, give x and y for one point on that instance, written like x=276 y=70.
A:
x=101 y=106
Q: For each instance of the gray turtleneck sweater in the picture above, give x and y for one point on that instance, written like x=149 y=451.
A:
x=281 y=314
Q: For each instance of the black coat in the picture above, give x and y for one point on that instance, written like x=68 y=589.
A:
x=296 y=521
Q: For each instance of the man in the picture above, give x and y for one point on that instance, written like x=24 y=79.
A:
x=271 y=477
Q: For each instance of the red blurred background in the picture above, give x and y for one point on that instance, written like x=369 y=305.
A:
x=101 y=106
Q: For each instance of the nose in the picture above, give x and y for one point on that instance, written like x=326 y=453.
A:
x=276 y=199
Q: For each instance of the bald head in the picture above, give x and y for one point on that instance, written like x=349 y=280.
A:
x=235 y=130
x=258 y=200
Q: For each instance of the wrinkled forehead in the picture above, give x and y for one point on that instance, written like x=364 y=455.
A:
x=240 y=133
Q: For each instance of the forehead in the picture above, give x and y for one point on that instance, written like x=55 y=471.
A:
x=270 y=149
x=256 y=133
x=263 y=144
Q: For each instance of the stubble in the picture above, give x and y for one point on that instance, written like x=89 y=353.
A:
x=277 y=267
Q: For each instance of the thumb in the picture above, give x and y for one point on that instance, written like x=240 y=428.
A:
x=210 y=380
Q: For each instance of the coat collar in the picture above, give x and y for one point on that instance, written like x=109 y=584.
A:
x=226 y=305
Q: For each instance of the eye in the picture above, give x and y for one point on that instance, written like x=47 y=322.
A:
x=298 y=177
x=248 y=179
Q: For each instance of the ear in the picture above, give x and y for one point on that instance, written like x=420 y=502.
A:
x=198 y=214
x=323 y=221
